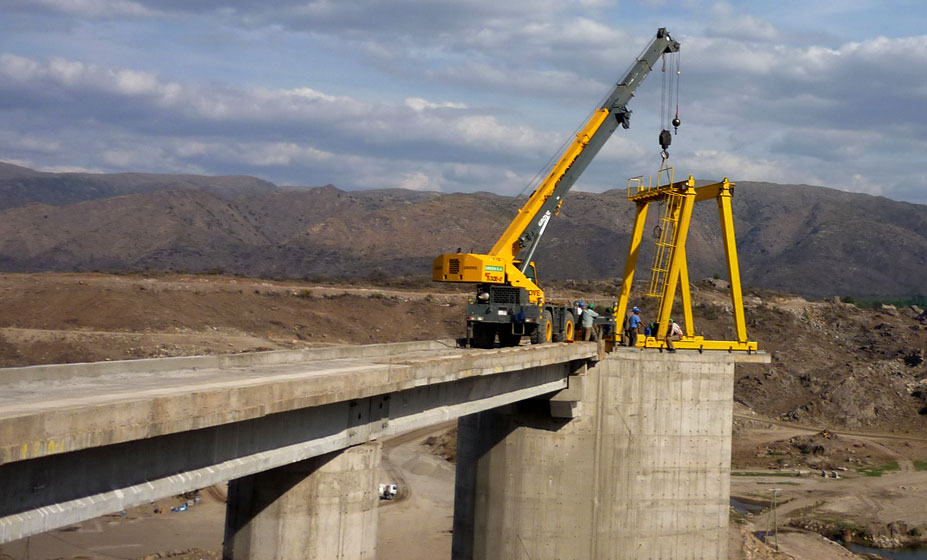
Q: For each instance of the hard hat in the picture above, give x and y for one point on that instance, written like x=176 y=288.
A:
x=671 y=321
x=591 y=306
x=636 y=309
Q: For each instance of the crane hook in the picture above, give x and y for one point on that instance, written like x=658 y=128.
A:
x=665 y=139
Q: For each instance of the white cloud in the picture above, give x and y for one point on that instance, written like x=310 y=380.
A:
x=717 y=164
x=125 y=159
x=17 y=68
x=281 y=153
x=97 y=8
x=418 y=104
x=35 y=144
x=293 y=127
x=728 y=22
x=418 y=181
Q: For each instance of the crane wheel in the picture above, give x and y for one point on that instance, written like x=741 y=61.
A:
x=568 y=330
x=545 y=329
x=509 y=339
x=483 y=336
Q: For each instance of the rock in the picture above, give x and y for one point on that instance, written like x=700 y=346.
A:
x=898 y=530
x=717 y=283
x=889 y=310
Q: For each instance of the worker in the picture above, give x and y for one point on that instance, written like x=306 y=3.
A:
x=634 y=323
x=674 y=332
x=589 y=316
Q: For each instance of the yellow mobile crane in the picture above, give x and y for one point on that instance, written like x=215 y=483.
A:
x=509 y=303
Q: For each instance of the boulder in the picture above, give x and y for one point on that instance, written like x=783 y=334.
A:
x=716 y=283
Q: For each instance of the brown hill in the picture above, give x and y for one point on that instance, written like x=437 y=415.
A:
x=813 y=241
x=20 y=186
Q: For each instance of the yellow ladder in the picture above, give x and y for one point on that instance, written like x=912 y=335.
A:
x=665 y=243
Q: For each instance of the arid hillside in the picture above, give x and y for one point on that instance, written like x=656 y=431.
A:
x=812 y=241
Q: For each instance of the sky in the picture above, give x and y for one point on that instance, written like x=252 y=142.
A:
x=463 y=96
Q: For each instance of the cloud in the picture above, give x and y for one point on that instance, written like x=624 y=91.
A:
x=718 y=164
x=729 y=23
x=43 y=145
x=94 y=9
x=469 y=95
x=418 y=104
x=187 y=127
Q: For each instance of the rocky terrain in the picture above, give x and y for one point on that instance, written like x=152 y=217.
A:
x=845 y=392
x=813 y=241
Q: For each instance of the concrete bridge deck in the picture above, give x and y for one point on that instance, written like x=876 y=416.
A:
x=81 y=440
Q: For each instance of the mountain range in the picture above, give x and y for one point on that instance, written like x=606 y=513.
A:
x=809 y=240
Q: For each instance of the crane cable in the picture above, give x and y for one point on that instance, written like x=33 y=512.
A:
x=676 y=122
x=668 y=90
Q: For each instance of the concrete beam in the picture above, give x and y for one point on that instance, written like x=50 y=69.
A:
x=73 y=458
x=79 y=411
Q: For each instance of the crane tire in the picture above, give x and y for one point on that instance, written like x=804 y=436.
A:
x=544 y=331
x=569 y=329
x=483 y=336
x=509 y=339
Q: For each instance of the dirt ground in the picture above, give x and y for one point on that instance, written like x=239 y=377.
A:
x=61 y=318
x=821 y=489
x=66 y=318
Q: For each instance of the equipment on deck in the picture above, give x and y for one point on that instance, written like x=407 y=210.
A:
x=509 y=303
x=670 y=267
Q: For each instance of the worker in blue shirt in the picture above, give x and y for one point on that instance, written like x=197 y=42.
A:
x=634 y=322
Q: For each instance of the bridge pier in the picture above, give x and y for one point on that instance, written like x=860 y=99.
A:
x=320 y=508
x=642 y=471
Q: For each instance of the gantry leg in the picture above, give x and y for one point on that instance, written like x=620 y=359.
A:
x=636 y=236
x=730 y=252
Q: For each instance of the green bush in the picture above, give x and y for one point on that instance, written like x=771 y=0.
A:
x=878 y=471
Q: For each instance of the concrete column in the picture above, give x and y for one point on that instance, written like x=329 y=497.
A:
x=643 y=472
x=320 y=508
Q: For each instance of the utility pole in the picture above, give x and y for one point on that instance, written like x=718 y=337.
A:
x=771 y=519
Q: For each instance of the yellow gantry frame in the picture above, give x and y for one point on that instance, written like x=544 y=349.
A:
x=678 y=270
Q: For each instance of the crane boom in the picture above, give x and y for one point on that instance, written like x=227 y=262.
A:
x=532 y=218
